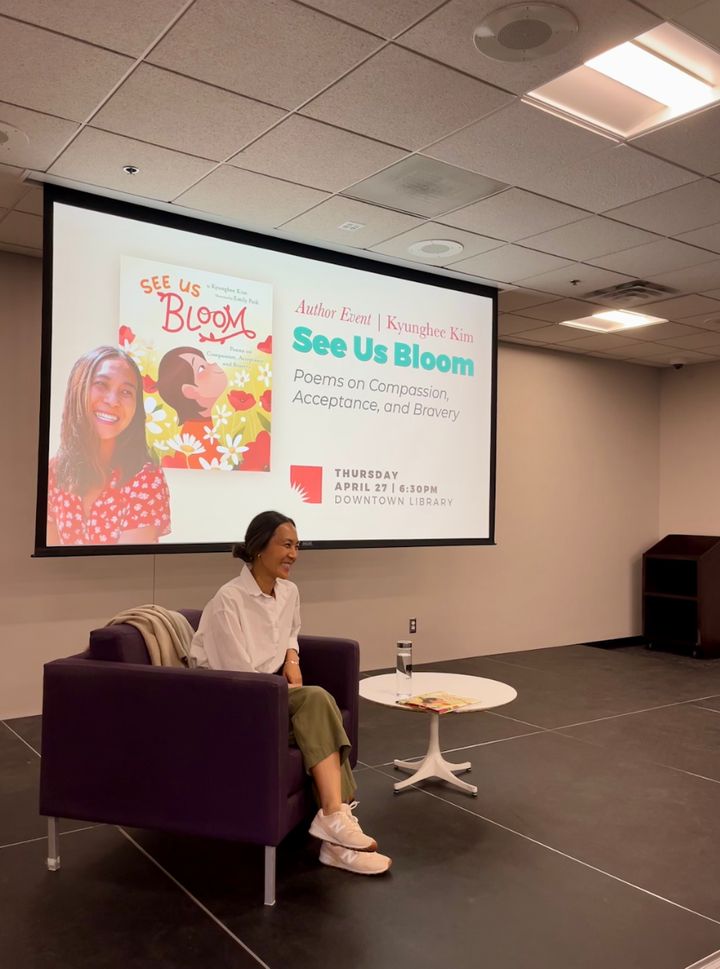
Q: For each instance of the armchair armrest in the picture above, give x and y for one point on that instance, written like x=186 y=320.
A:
x=334 y=664
x=167 y=748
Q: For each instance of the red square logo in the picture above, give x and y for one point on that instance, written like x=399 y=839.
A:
x=307 y=482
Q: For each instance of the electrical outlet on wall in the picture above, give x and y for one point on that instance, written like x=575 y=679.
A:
x=412 y=626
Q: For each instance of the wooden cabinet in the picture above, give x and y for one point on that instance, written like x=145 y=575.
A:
x=681 y=594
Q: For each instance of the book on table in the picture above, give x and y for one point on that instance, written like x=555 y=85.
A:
x=437 y=702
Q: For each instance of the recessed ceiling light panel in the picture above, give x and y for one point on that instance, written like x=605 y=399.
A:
x=610 y=321
x=525 y=31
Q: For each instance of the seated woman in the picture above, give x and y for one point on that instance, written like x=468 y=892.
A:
x=251 y=624
x=104 y=488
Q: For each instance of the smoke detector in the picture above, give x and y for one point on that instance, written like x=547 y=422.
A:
x=435 y=248
x=525 y=31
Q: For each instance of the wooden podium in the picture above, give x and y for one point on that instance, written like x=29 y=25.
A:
x=681 y=594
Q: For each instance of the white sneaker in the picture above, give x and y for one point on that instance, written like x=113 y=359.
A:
x=359 y=862
x=342 y=828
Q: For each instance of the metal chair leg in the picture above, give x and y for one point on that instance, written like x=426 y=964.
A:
x=270 y=874
x=53 y=858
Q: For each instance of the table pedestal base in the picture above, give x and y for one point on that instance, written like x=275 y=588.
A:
x=433 y=764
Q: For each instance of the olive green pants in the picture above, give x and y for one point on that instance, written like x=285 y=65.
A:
x=316 y=729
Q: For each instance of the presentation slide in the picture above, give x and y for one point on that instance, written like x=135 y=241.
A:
x=195 y=381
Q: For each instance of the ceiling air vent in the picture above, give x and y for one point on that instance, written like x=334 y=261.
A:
x=632 y=293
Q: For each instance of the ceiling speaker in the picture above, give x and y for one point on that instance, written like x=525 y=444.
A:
x=525 y=31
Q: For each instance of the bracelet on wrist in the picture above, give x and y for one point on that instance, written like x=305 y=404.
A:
x=295 y=661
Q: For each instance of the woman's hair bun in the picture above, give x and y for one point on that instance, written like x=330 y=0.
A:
x=240 y=552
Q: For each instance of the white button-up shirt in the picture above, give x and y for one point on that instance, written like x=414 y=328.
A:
x=244 y=629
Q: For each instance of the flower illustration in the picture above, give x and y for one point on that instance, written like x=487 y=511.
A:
x=266 y=401
x=258 y=454
x=232 y=449
x=211 y=434
x=221 y=415
x=153 y=415
x=240 y=378
x=186 y=444
x=240 y=400
x=264 y=374
x=149 y=385
x=215 y=464
x=125 y=336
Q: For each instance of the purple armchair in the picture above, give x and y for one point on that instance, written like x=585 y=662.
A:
x=198 y=752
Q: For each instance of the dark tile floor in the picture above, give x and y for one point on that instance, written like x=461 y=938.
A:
x=593 y=843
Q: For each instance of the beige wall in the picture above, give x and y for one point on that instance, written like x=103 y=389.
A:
x=577 y=502
x=690 y=450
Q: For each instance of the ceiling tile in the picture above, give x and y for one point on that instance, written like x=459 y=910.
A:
x=678 y=210
x=668 y=356
x=97 y=158
x=447 y=37
x=669 y=8
x=712 y=293
x=378 y=16
x=615 y=176
x=284 y=55
x=11 y=187
x=54 y=74
x=705 y=321
x=315 y=154
x=128 y=27
x=509 y=324
x=696 y=341
x=561 y=309
x=424 y=186
x=31 y=202
x=519 y=144
x=46 y=136
x=694 y=279
x=663 y=331
x=634 y=351
x=407 y=100
x=589 y=238
x=708 y=237
x=661 y=256
x=601 y=341
x=551 y=334
x=176 y=112
x=248 y=199
x=22 y=230
x=21 y=250
x=680 y=307
x=702 y=21
x=563 y=282
x=693 y=142
x=322 y=223
x=510 y=263
x=473 y=244
x=515 y=300
x=513 y=215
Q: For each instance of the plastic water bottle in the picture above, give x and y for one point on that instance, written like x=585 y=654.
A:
x=403 y=669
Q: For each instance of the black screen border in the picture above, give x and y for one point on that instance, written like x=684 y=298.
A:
x=174 y=220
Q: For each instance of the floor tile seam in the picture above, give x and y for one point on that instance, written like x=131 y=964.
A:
x=709 y=709
x=710 y=961
x=627 y=713
x=558 y=851
x=21 y=739
x=525 y=723
x=30 y=841
x=654 y=763
x=454 y=750
x=225 y=928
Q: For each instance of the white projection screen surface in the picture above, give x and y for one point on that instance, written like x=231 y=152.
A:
x=195 y=374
